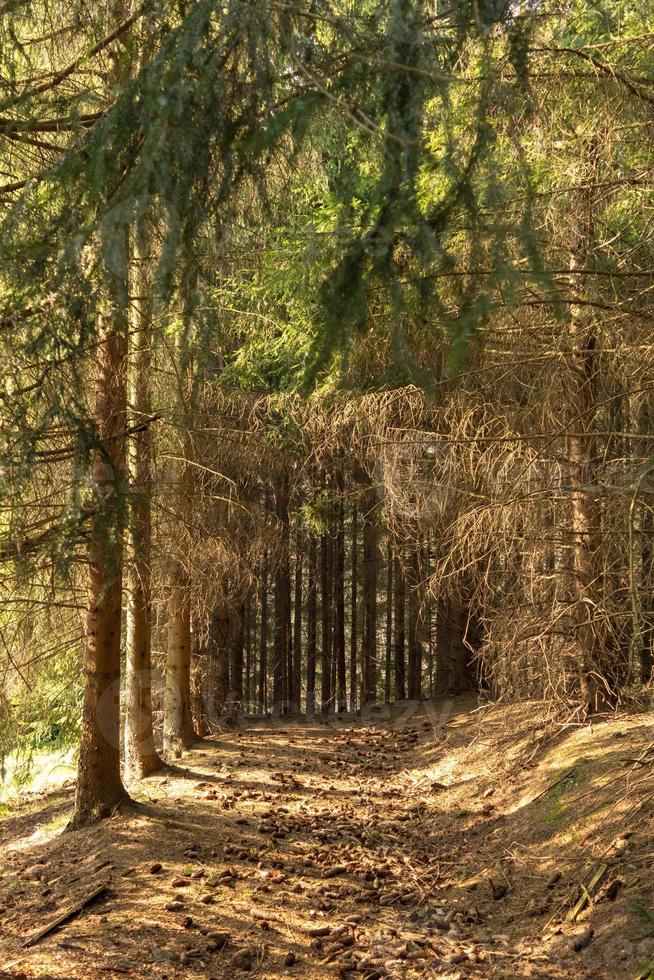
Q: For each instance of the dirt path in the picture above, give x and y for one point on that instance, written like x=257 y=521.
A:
x=299 y=851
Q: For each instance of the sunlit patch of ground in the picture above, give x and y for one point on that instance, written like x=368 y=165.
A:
x=451 y=843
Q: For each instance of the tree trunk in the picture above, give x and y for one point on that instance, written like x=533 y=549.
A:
x=370 y=569
x=326 y=562
x=389 y=622
x=399 y=604
x=353 y=611
x=282 y=651
x=250 y=633
x=263 y=638
x=582 y=452
x=297 y=628
x=237 y=624
x=141 y=757
x=415 y=623
x=311 y=629
x=219 y=648
x=178 y=722
x=339 y=605
x=99 y=786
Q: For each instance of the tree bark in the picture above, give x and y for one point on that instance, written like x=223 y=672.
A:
x=339 y=604
x=399 y=590
x=311 y=629
x=99 y=785
x=389 y=622
x=354 y=639
x=370 y=569
x=582 y=453
x=237 y=623
x=263 y=637
x=141 y=756
x=326 y=562
x=297 y=628
x=415 y=623
x=178 y=721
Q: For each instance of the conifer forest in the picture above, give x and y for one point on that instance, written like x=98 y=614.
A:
x=326 y=489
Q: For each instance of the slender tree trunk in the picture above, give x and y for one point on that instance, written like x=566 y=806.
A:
x=141 y=756
x=236 y=654
x=370 y=569
x=644 y=624
x=339 y=604
x=326 y=563
x=297 y=628
x=281 y=647
x=311 y=629
x=399 y=590
x=415 y=623
x=354 y=639
x=263 y=638
x=99 y=786
x=389 y=622
x=250 y=633
x=582 y=451
x=219 y=633
x=178 y=722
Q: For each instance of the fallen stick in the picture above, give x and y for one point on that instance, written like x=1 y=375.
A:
x=65 y=916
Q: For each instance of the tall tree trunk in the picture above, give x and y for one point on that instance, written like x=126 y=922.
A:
x=141 y=756
x=415 y=623
x=389 y=622
x=582 y=452
x=281 y=647
x=99 y=786
x=399 y=591
x=250 y=633
x=236 y=653
x=311 y=629
x=326 y=565
x=370 y=570
x=339 y=604
x=297 y=628
x=263 y=637
x=354 y=639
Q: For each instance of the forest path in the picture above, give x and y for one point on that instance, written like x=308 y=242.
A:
x=294 y=850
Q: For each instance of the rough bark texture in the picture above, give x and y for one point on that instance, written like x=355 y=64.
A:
x=141 y=756
x=99 y=785
x=582 y=453
x=178 y=722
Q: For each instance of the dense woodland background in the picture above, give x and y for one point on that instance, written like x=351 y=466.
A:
x=327 y=369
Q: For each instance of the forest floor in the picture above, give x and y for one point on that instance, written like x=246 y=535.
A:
x=450 y=841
